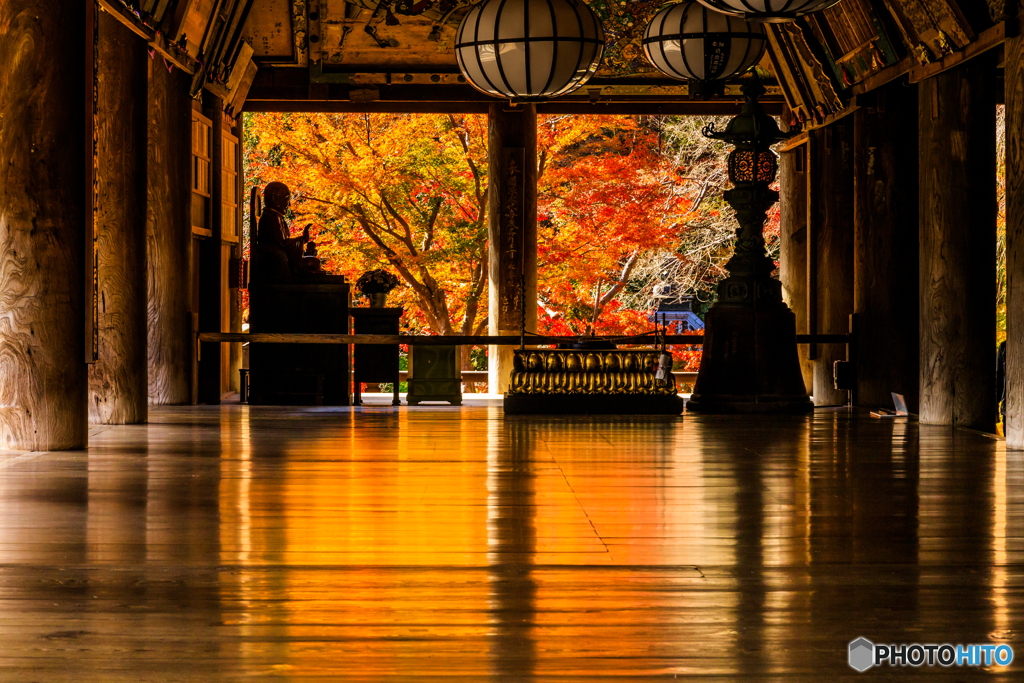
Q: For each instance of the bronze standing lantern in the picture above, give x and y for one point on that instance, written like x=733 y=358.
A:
x=750 y=361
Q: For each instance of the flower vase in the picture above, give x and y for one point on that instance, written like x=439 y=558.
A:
x=378 y=299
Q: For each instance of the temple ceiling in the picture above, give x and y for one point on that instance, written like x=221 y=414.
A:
x=359 y=50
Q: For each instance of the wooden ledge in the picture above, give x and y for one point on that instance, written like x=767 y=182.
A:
x=481 y=340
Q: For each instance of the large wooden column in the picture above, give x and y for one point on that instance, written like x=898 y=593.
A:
x=43 y=143
x=117 y=380
x=886 y=248
x=169 y=236
x=1013 y=79
x=957 y=199
x=831 y=218
x=512 y=230
x=793 y=246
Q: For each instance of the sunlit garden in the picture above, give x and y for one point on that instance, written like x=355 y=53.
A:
x=630 y=214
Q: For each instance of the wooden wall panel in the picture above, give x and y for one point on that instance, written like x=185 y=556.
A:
x=886 y=248
x=169 y=237
x=956 y=110
x=1013 y=79
x=117 y=381
x=43 y=91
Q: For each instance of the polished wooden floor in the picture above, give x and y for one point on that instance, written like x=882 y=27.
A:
x=234 y=543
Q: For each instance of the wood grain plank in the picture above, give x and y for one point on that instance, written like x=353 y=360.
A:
x=117 y=381
x=446 y=544
x=42 y=214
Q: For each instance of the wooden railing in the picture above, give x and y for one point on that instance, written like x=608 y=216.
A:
x=478 y=340
x=483 y=340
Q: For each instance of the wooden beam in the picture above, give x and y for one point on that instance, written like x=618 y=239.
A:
x=886 y=75
x=153 y=39
x=987 y=40
x=426 y=105
x=796 y=141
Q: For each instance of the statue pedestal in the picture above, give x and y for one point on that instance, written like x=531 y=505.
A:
x=299 y=374
x=435 y=374
x=750 y=362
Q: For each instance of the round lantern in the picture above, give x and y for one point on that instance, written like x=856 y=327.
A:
x=529 y=49
x=768 y=10
x=690 y=41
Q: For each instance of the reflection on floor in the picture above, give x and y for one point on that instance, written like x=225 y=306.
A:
x=239 y=543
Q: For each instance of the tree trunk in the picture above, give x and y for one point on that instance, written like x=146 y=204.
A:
x=886 y=248
x=512 y=230
x=117 y=381
x=169 y=236
x=957 y=113
x=43 y=143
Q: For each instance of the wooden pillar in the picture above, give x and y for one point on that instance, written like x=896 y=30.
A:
x=793 y=246
x=832 y=249
x=886 y=248
x=211 y=300
x=512 y=229
x=1013 y=80
x=118 y=379
x=43 y=144
x=957 y=192
x=169 y=236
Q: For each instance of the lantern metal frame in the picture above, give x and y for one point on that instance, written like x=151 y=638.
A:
x=471 y=47
x=774 y=11
x=714 y=42
x=750 y=321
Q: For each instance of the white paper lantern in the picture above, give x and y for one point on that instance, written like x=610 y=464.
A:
x=691 y=42
x=529 y=49
x=774 y=11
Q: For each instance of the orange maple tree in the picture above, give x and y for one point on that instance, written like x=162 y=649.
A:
x=408 y=192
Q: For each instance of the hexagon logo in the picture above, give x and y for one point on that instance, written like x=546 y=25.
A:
x=862 y=654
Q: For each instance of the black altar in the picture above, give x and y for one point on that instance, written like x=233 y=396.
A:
x=375 y=363
x=290 y=293
x=299 y=374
